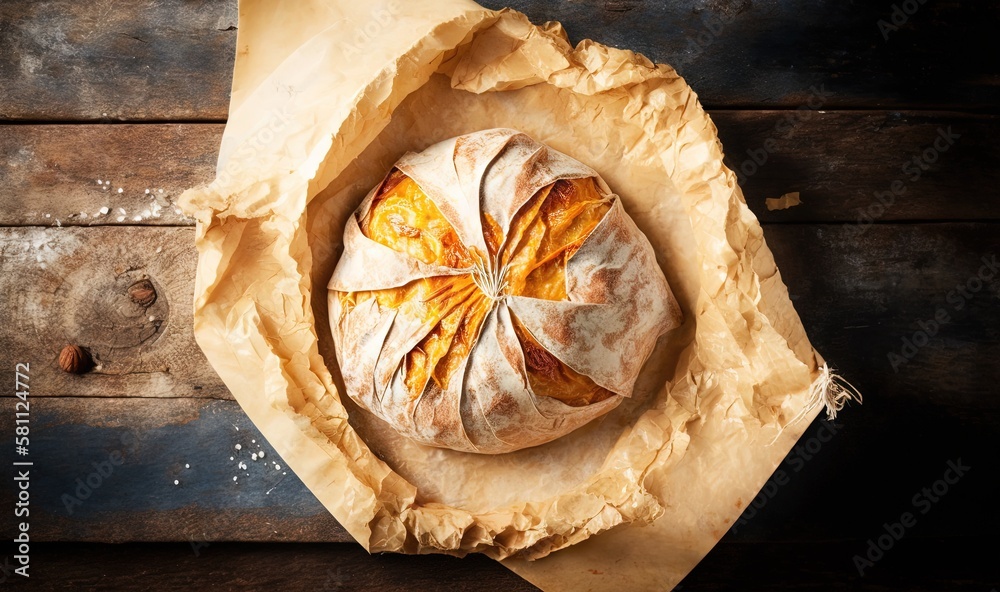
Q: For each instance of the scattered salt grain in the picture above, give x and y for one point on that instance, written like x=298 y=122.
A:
x=242 y=465
x=120 y=218
x=238 y=447
x=234 y=477
x=48 y=215
x=158 y=249
x=253 y=441
x=137 y=218
x=147 y=191
x=104 y=210
x=107 y=182
x=187 y=466
x=176 y=482
x=121 y=211
x=99 y=182
x=151 y=318
x=83 y=214
x=260 y=454
x=277 y=467
x=230 y=458
x=253 y=456
x=120 y=190
x=160 y=190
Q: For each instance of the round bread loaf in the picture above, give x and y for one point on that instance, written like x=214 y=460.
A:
x=493 y=295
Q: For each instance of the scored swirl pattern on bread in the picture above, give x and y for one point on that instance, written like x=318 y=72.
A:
x=494 y=295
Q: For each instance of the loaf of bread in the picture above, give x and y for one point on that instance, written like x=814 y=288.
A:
x=493 y=295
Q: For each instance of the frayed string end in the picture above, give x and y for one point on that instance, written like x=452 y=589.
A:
x=830 y=390
x=833 y=391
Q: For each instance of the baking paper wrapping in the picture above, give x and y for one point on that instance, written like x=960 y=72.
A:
x=326 y=97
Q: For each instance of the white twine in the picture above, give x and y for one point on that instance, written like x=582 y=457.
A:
x=834 y=391
x=492 y=282
x=829 y=389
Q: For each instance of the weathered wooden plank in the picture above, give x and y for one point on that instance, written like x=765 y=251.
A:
x=102 y=174
x=865 y=166
x=738 y=53
x=864 y=292
x=836 y=160
x=71 y=285
x=907 y=313
x=106 y=468
x=860 y=296
x=860 y=291
x=173 y=59
x=954 y=565
x=242 y=567
x=112 y=61
x=105 y=471
x=929 y=565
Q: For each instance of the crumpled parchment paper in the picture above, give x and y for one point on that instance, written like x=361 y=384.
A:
x=327 y=95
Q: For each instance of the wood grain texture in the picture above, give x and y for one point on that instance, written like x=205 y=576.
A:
x=154 y=440
x=241 y=567
x=70 y=286
x=865 y=293
x=172 y=59
x=936 y=565
x=837 y=160
x=846 y=165
x=114 y=61
x=738 y=53
x=927 y=565
x=860 y=293
x=66 y=174
x=877 y=284
x=104 y=471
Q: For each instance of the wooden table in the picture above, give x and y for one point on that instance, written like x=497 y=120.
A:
x=110 y=109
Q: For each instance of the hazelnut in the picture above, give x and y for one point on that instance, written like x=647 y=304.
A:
x=142 y=293
x=74 y=359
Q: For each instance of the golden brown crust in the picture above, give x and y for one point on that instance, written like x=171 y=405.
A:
x=545 y=233
x=548 y=230
x=549 y=377
x=403 y=218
